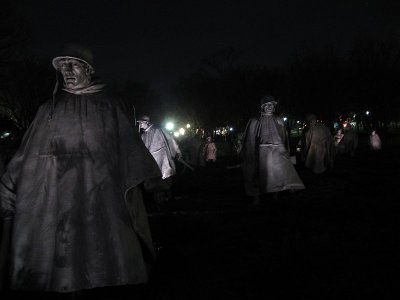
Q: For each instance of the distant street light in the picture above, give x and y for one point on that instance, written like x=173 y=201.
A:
x=187 y=125
x=367 y=112
x=5 y=134
x=169 y=126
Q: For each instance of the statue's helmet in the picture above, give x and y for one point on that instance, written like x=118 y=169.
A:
x=143 y=118
x=75 y=51
x=268 y=99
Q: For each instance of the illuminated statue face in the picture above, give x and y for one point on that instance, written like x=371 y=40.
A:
x=76 y=74
x=268 y=108
x=143 y=125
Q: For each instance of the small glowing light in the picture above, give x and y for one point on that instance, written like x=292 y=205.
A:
x=176 y=133
x=187 y=125
x=284 y=119
x=169 y=126
x=181 y=131
x=5 y=134
x=367 y=112
x=231 y=129
x=298 y=122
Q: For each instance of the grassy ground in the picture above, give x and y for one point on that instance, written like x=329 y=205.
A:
x=337 y=239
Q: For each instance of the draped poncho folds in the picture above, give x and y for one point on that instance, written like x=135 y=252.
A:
x=163 y=147
x=78 y=220
x=319 y=148
x=266 y=163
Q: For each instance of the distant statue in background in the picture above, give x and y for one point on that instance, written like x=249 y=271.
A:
x=237 y=144
x=192 y=150
x=318 y=150
x=267 y=167
x=375 y=141
x=349 y=142
x=338 y=137
x=164 y=149
x=210 y=152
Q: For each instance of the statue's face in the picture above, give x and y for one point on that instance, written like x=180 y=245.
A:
x=76 y=74
x=268 y=108
x=143 y=125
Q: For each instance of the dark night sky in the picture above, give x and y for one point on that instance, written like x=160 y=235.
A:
x=161 y=41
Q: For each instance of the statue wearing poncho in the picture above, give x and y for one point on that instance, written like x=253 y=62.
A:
x=71 y=191
x=266 y=166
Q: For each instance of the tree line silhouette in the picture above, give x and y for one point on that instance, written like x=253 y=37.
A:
x=321 y=81
x=224 y=90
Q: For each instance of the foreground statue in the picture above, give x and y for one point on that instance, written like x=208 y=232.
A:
x=72 y=190
x=266 y=166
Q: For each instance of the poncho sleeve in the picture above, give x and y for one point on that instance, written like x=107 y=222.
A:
x=136 y=164
x=9 y=179
x=249 y=156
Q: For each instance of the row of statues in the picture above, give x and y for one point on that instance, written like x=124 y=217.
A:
x=71 y=198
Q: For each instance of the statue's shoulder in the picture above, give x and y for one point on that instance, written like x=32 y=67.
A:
x=253 y=121
x=45 y=105
x=252 y=125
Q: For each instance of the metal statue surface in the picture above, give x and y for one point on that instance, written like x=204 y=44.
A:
x=164 y=149
x=161 y=145
x=266 y=166
x=72 y=190
x=209 y=151
x=375 y=141
x=319 y=146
